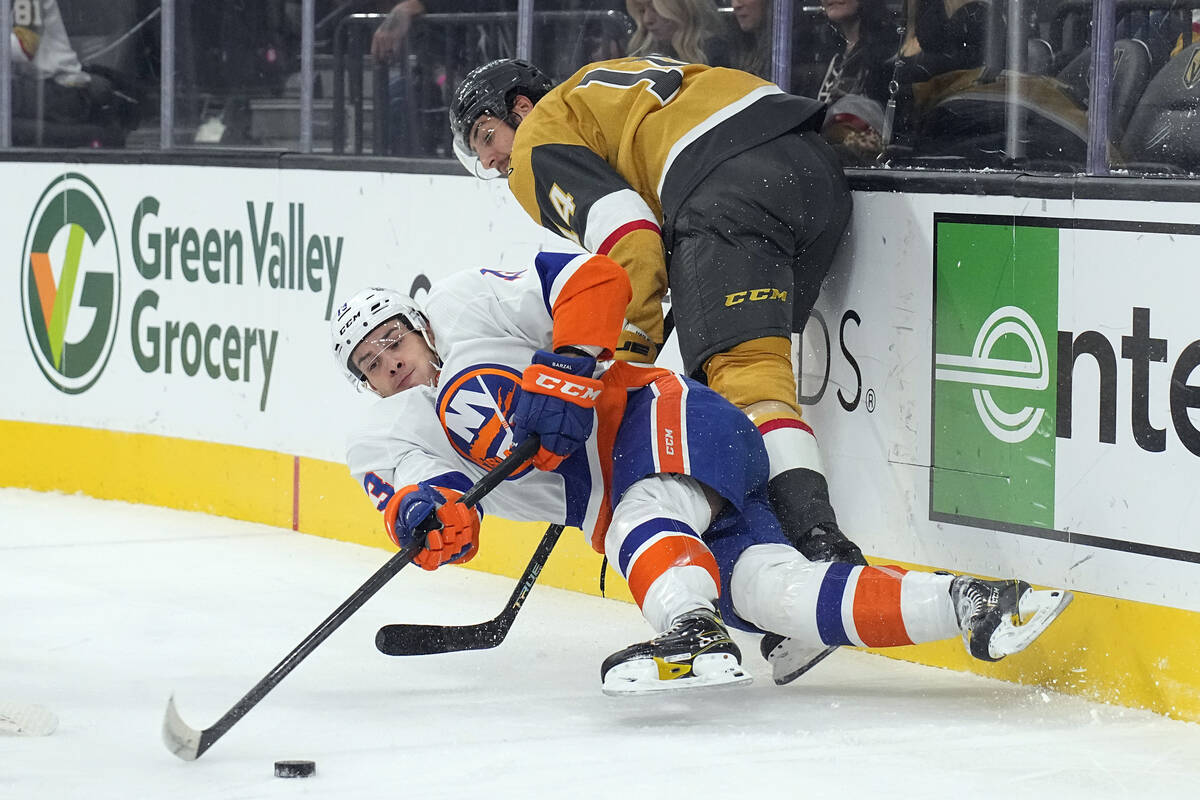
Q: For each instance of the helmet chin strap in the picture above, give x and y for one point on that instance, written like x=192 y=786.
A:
x=436 y=363
x=513 y=120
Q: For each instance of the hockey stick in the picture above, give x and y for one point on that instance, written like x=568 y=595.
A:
x=405 y=639
x=189 y=743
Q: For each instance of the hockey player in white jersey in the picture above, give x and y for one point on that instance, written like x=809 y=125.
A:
x=668 y=478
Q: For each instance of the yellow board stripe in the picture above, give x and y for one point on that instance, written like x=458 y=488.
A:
x=1117 y=651
x=306 y=494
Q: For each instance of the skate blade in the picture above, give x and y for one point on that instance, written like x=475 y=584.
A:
x=1038 y=609
x=646 y=676
x=789 y=660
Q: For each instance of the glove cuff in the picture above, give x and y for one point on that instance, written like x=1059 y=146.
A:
x=399 y=528
x=581 y=365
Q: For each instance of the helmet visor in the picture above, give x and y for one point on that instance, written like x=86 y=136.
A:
x=372 y=347
x=469 y=159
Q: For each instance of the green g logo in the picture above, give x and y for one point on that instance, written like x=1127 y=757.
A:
x=71 y=283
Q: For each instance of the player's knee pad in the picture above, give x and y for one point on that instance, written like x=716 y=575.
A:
x=755 y=371
x=662 y=498
x=654 y=541
x=776 y=588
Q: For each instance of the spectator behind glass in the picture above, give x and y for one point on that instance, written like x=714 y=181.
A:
x=856 y=82
x=811 y=45
x=54 y=101
x=754 y=44
x=942 y=36
x=689 y=30
x=864 y=65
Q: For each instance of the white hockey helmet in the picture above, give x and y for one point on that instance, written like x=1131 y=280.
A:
x=364 y=311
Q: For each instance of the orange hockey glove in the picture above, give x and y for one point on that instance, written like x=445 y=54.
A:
x=453 y=528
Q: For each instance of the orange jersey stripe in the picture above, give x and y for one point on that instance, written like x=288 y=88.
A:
x=670 y=551
x=610 y=409
x=590 y=307
x=669 y=437
x=877 y=614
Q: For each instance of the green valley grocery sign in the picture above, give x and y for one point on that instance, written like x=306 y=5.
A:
x=196 y=292
x=70 y=283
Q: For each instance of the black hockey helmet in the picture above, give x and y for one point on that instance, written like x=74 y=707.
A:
x=491 y=89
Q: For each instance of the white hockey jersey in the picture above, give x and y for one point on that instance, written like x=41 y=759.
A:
x=486 y=326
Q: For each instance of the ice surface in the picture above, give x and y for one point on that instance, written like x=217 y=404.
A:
x=106 y=608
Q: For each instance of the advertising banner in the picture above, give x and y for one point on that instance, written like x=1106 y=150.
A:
x=1064 y=380
x=193 y=301
x=1015 y=393
x=1007 y=389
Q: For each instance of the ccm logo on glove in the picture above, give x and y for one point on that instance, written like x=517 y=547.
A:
x=567 y=388
x=556 y=399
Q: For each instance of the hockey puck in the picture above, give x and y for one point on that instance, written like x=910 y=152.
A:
x=295 y=769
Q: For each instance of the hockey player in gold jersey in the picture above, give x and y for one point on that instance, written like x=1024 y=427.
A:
x=709 y=179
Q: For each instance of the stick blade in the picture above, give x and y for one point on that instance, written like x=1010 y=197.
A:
x=179 y=737
x=404 y=639
x=24 y=719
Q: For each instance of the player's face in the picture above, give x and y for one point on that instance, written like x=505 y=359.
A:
x=492 y=141
x=748 y=13
x=394 y=358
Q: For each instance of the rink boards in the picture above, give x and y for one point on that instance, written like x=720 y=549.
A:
x=1000 y=385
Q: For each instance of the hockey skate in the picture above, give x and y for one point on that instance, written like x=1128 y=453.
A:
x=695 y=652
x=999 y=618
x=789 y=659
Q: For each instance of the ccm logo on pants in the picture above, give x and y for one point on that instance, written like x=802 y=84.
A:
x=754 y=295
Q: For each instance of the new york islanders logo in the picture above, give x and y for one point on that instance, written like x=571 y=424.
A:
x=474 y=407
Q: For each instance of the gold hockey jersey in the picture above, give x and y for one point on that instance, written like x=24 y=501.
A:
x=607 y=157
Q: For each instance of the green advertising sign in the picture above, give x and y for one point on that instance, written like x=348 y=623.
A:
x=994 y=340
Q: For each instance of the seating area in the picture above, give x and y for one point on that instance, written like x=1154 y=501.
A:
x=1153 y=118
x=237 y=80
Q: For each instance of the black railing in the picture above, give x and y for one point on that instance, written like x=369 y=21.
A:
x=348 y=38
x=492 y=35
